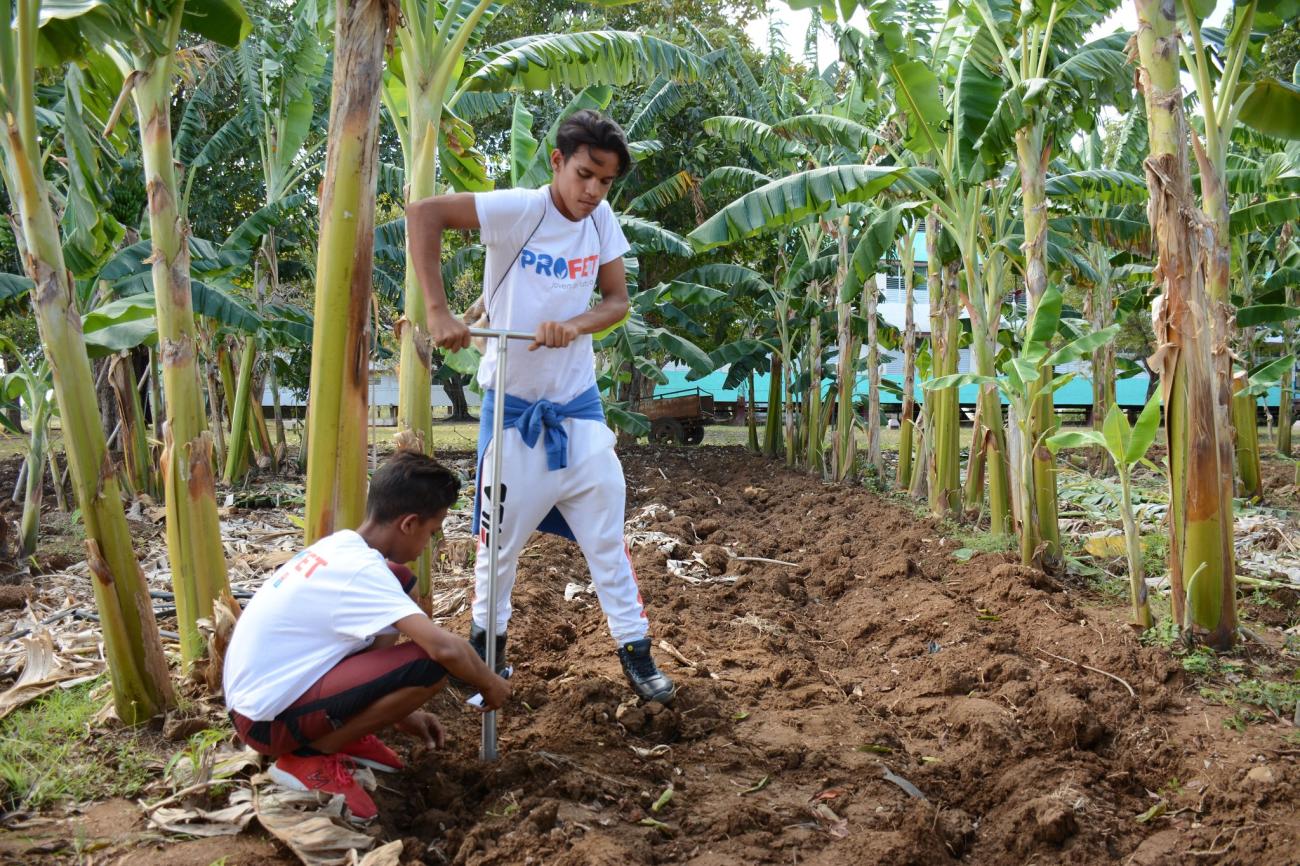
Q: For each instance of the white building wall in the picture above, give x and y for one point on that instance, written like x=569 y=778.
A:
x=383 y=392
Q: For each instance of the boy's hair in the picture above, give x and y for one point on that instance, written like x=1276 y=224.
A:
x=410 y=483
x=597 y=132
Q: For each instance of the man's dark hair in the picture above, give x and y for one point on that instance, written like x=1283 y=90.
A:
x=597 y=132
x=410 y=483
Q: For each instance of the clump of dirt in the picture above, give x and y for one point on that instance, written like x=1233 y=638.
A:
x=848 y=692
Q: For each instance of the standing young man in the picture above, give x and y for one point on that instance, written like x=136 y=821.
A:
x=547 y=249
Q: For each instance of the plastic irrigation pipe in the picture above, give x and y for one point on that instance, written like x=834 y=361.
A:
x=488 y=749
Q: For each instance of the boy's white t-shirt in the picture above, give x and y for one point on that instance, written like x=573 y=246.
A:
x=545 y=275
x=317 y=609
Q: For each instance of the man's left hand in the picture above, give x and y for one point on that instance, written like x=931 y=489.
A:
x=554 y=335
x=425 y=727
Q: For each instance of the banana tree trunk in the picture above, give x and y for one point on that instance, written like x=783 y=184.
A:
x=194 y=547
x=813 y=438
x=918 y=489
x=1217 y=257
x=157 y=405
x=1246 y=432
x=984 y=323
x=56 y=478
x=790 y=417
x=775 y=405
x=336 y=422
x=870 y=302
x=34 y=494
x=1201 y=554
x=751 y=416
x=272 y=256
x=973 y=485
x=137 y=668
x=237 y=448
x=240 y=415
x=216 y=404
x=262 y=436
x=992 y=445
x=1287 y=398
x=1015 y=466
x=945 y=469
x=846 y=367
x=137 y=461
x=906 y=424
x=415 y=374
x=1032 y=156
x=277 y=412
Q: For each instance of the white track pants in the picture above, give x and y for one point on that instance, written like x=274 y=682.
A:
x=591 y=496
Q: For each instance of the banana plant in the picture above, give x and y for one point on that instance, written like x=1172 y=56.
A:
x=1247 y=389
x=29 y=385
x=1225 y=68
x=879 y=235
x=1048 y=82
x=279 y=72
x=132 y=645
x=1127 y=447
x=907 y=426
x=142 y=39
x=1024 y=379
x=1281 y=287
x=1200 y=455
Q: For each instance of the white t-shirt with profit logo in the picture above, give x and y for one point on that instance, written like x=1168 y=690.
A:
x=552 y=278
x=539 y=276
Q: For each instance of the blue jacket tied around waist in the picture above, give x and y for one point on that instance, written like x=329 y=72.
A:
x=541 y=420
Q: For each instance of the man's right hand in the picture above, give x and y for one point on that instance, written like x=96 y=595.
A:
x=495 y=693
x=446 y=331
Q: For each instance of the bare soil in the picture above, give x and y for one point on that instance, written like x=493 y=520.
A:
x=865 y=698
x=819 y=690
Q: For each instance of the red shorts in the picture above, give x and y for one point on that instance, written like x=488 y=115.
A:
x=344 y=690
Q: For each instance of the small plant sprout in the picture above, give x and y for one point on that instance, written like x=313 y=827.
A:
x=1127 y=447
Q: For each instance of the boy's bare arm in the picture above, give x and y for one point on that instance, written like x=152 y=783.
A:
x=426 y=220
x=457 y=656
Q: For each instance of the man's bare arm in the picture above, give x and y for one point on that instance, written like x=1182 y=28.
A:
x=611 y=280
x=426 y=220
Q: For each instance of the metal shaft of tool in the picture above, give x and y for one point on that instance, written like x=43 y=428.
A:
x=488 y=749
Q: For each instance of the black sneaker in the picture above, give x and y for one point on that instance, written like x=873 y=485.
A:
x=478 y=640
x=647 y=680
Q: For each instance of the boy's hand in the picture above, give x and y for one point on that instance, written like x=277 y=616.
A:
x=447 y=331
x=554 y=335
x=495 y=694
x=425 y=727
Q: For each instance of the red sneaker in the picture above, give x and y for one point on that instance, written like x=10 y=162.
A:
x=370 y=751
x=328 y=773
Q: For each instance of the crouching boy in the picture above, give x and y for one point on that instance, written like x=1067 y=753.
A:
x=313 y=669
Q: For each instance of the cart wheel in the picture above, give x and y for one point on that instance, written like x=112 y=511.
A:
x=694 y=433
x=666 y=430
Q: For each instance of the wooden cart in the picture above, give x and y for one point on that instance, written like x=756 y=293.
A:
x=677 y=416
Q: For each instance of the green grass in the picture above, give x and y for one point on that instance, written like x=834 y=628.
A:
x=980 y=541
x=1254 y=692
x=12 y=446
x=48 y=754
